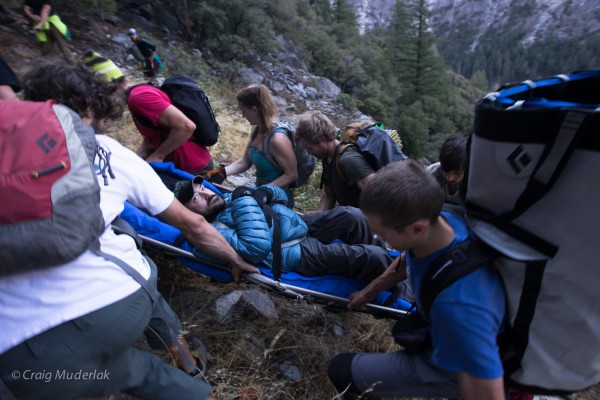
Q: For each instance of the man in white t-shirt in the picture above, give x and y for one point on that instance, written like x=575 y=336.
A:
x=67 y=331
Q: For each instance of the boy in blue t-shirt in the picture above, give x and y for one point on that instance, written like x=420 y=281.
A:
x=403 y=205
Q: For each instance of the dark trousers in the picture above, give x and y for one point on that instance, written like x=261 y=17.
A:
x=53 y=36
x=93 y=356
x=361 y=255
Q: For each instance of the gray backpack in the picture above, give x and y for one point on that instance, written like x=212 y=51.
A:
x=532 y=194
x=49 y=194
x=305 y=163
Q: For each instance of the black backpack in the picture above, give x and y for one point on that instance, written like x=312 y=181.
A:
x=190 y=99
x=379 y=146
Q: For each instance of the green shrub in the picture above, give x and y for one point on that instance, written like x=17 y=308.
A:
x=348 y=101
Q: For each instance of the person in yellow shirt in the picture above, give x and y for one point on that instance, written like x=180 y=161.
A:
x=97 y=63
x=48 y=27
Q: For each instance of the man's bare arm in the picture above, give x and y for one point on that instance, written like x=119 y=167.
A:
x=145 y=149
x=327 y=201
x=395 y=273
x=202 y=235
x=29 y=12
x=180 y=128
x=44 y=14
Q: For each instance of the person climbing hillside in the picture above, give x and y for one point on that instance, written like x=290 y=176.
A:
x=49 y=28
x=152 y=63
x=106 y=67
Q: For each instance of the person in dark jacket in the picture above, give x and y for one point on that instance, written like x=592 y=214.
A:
x=308 y=245
x=152 y=62
x=319 y=136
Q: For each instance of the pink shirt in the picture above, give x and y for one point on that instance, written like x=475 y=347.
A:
x=151 y=102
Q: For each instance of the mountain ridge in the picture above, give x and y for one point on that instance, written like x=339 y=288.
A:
x=505 y=40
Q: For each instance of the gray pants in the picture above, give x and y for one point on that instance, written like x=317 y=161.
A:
x=93 y=356
x=361 y=255
x=396 y=374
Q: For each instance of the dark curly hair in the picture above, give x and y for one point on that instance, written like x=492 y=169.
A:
x=86 y=93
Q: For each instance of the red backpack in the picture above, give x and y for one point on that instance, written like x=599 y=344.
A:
x=49 y=194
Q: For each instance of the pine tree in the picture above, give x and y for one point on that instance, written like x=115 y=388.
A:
x=421 y=75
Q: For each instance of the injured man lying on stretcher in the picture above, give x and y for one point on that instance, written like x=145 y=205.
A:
x=259 y=226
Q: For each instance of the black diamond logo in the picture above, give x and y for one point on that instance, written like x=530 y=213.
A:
x=518 y=159
x=46 y=143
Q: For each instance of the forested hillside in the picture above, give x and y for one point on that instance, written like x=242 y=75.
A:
x=498 y=41
x=408 y=72
x=393 y=74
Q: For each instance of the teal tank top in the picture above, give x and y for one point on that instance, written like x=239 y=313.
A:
x=266 y=171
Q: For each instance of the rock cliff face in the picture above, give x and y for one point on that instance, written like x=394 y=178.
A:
x=506 y=39
x=536 y=19
x=372 y=12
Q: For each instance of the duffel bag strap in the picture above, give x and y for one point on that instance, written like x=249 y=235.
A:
x=558 y=154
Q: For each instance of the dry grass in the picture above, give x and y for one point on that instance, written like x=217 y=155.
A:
x=246 y=354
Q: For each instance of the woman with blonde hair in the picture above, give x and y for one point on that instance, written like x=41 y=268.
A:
x=257 y=106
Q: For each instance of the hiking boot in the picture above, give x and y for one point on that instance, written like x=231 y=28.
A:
x=199 y=355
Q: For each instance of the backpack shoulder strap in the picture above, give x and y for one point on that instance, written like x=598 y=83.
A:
x=449 y=267
x=267 y=140
x=339 y=150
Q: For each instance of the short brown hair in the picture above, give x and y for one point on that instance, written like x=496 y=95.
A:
x=314 y=127
x=402 y=192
